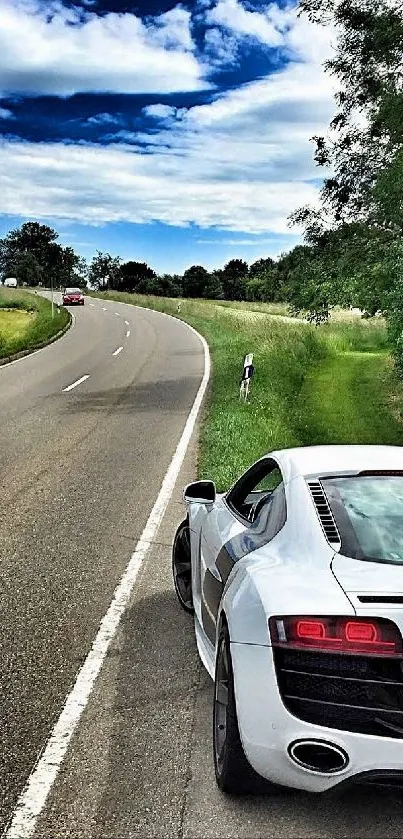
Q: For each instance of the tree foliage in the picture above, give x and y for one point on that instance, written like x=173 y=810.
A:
x=354 y=238
x=32 y=254
x=104 y=271
x=365 y=137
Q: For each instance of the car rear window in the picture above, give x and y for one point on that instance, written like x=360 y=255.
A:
x=72 y=291
x=368 y=511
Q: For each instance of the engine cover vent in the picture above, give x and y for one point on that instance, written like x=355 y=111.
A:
x=392 y=599
x=325 y=514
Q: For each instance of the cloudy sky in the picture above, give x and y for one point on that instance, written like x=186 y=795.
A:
x=175 y=133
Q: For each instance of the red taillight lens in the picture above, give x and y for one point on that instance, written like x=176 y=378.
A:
x=359 y=636
x=361 y=632
x=311 y=630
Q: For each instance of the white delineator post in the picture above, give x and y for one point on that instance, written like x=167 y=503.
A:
x=248 y=371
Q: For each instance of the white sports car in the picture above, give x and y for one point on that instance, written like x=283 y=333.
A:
x=295 y=578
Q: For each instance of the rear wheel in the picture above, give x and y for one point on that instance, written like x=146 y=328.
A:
x=233 y=772
x=182 y=566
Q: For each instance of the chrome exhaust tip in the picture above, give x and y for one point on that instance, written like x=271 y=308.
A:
x=318 y=756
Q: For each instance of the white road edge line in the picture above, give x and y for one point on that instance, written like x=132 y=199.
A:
x=119 y=349
x=128 y=333
x=78 y=382
x=33 y=798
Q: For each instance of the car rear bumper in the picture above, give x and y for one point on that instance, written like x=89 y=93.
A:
x=267 y=730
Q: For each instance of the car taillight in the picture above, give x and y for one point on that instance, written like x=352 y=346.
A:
x=360 y=636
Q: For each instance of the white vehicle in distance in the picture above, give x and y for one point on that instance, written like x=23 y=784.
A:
x=295 y=578
x=10 y=282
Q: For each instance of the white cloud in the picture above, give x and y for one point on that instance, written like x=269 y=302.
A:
x=242 y=163
x=65 y=51
x=275 y=27
x=159 y=111
x=6 y=114
x=95 y=185
x=104 y=119
x=171 y=30
x=220 y=46
x=233 y=16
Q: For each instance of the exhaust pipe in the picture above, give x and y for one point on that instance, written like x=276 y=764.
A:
x=318 y=756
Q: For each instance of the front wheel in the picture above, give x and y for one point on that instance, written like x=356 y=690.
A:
x=182 y=566
x=233 y=772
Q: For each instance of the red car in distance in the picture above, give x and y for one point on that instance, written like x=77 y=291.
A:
x=73 y=296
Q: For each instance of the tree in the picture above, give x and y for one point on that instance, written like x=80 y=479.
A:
x=133 y=275
x=81 y=272
x=261 y=266
x=31 y=237
x=195 y=281
x=104 y=271
x=33 y=254
x=365 y=142
x=169 y=285
x=233 y=279
x=213 y=289
x=26 y=269
x=355 y=235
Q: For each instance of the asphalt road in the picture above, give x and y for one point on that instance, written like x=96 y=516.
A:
x=81 y=471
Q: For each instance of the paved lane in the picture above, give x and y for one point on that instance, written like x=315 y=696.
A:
x=79 y=473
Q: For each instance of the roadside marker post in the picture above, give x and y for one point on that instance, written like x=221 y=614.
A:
x=247 y=376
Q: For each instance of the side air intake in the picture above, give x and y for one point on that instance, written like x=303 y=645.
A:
x=324 y=512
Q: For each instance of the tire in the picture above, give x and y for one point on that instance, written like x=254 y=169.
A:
x=182 y=567
x=233 y=772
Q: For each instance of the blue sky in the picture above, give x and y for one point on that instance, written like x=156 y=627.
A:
x=175 y=133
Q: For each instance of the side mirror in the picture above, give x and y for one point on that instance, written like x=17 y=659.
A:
x=204 y=492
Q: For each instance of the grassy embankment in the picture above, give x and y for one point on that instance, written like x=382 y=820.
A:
x=313 y=385
x=26 y=321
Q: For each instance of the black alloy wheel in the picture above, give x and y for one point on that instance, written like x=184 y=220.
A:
x=182 y=566
x=234 y=774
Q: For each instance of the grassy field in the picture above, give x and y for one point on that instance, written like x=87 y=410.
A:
x=26 y=321
x=328 y=384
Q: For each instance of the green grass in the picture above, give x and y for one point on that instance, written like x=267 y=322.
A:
x=26 y=321
x=349 y=399
x=313 y=385
x=13 y=323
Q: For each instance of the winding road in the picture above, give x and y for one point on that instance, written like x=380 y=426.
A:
x=88 y=429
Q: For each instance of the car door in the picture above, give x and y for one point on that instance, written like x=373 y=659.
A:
x=224 y=535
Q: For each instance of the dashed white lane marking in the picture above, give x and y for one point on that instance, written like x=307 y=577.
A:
x=119 y=349
x=92 y=304
x=33 y=799
x=117 y=314
x=128 y=333
x=104 y=308
x=78 y=382
x=127 y=323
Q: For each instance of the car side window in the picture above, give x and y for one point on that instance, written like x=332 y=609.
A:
x=254 y=486
x=272 y=515
x=270 y=481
